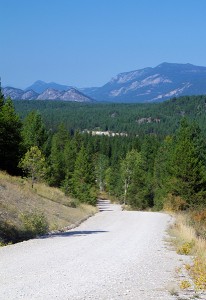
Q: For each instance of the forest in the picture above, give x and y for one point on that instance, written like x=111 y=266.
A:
x=161 y=164
x=136 y=119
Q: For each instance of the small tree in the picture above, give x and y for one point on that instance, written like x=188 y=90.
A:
x=128 y=168
x=34 y=163
x=101 y=165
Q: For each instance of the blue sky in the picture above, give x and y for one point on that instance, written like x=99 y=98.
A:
x=86 y=42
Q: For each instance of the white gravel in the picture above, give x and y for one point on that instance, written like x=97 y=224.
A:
x=113 y=255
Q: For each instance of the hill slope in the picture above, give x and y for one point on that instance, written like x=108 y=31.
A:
x=17 y=198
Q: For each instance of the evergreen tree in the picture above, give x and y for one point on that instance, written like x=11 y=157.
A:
x=34 y=131
x=148 y=151
x=113 y=182
x=163 y=172
x=83 y=179
x=189 y=164
x=57 y=171
x=101 y=165
x=1 y=96
x=10 y=138
x=70 y=153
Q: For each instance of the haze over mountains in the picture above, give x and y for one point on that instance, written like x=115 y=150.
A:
x=145 y=85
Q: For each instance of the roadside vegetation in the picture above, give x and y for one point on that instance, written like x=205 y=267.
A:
x=188 y=241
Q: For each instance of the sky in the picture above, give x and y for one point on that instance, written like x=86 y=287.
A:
x=84 y=43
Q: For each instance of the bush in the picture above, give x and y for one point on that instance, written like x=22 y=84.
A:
x=185 y=249
x=197 y=218
x=174 y=203
x=198 y=273
x=8 y=233
x=34 y=224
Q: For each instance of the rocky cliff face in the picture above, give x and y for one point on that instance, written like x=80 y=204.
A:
x=152 y=84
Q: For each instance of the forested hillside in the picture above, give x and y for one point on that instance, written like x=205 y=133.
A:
x=139 y=119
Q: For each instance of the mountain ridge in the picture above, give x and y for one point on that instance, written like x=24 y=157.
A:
x=71 y=94
x=150 y=84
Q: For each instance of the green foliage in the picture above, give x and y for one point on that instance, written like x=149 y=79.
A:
x=34 y=164
x=189 y=164
x=10 y=137
x=154 y=164
x=101 y=164
x=129 y=167
x=113 y=182
x=162 y=172
x=159 y=119
x=83 y=179
x=34 y=224
x=33 y=131
x=1 y=96
x=57 y=170
x=8 y=232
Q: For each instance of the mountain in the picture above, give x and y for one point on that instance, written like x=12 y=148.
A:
x=156 y=84
x=49 y=94
x=152 y=84
x=13 y=93
x=40 y=86
x=70 y=95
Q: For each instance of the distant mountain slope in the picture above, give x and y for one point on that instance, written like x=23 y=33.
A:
x=40 y=86
x=152 y=84
x=71 y=94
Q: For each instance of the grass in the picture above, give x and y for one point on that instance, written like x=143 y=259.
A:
x=188 y=242
x=18 y=199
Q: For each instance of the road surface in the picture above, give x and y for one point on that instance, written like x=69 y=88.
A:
x=113 y=255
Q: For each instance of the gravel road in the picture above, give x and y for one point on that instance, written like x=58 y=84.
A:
x=113 y=255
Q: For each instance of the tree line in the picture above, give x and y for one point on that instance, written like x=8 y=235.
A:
x=148 y=171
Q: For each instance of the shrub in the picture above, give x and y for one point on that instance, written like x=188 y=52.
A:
x=198 y=272
x=185 y=249
x=197 y=218
x=174 y=203
x=8 y=233
x=34 y=224
x=185 y=284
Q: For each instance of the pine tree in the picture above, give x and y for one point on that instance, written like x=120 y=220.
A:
x=83 y=179
x=70 y=153
x=10 y=137
x=1 y=96
x=189 y=164
x=57 y=170
x=162 y=172
x=34 y=131
x=101 y=165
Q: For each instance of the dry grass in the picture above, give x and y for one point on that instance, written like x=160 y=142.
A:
x=187 y=242
x=17 y=197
